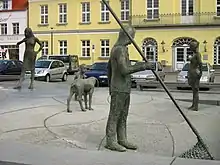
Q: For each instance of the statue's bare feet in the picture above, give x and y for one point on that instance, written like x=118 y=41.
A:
x=69 y=111
x=91 y=109
x=84 y=110
x=17 y=87
x=191 y=107
x=194 y=109
x=128 y=145
x=31 y=87
x=115 y=147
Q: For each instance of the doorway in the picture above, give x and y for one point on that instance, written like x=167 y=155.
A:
x=182 y=55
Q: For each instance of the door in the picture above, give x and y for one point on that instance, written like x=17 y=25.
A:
x=182 y=55
x=218 y=55
x=187 y=8
x=150 y=53
x=54 y=70
x=61 y=69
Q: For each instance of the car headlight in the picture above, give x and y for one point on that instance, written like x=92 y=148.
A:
x=103 y=76
x=180 y=77
x=40 y=72
x=150 y=76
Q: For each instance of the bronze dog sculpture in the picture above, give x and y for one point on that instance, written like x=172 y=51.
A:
x=82 y=87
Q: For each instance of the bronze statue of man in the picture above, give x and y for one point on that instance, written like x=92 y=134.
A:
x=195 y=73
x=29 y=56
x=119 y=70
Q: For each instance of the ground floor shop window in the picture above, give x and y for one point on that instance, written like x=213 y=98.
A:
x=12 y=51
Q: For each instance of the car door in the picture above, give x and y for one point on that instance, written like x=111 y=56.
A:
x=62 y=68
x=19 y=67
x=54 y=70
x=12 y=68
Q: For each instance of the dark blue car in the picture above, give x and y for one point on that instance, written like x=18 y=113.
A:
x=99 y=71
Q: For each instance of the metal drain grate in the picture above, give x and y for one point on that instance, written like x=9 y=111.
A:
x=197 y=152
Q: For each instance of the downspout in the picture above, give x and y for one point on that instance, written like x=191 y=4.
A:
x=28 y=14
x=130 y=5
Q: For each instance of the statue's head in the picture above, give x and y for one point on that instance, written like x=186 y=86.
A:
x=194 y=45
x=124 y=38
x=28 y=32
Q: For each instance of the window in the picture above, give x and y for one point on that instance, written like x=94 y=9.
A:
x=5 y=5
x=85 y=12
x=15 y=28
x=105 y=48
x=4 y=29
x=104 y=12
x=44 y=14
x=218 y=8
x=187 y=7
x=86 y=48
x=152 y=9
x=45 y=48
x=63 y=47
x=62 y=13
x=125 y=10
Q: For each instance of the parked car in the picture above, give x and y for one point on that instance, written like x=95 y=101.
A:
x=50 y=69
x=99 y=71
x=147 y=75
x=208 y=75
x=71 y=61
x=10 y=69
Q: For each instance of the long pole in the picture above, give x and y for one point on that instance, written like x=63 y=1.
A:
x=161 y=82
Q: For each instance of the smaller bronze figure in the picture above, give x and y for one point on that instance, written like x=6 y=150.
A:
x=82 y=87
x=194 y=74
x=29 y=56
x=119 y=76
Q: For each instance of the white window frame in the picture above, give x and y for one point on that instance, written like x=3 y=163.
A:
x=44 y=19
x=15 y=28
x=124 y=10
x=105 y=15
x=217 y=7
x=85 y=48
x=105 y=48
x=87 y=13
x=63 y=47
x=153 y=8
x=62 y=13
x=4 y=28
x=45 y=50
x=5 y=5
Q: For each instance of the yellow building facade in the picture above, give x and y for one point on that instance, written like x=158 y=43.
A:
x=164 y=28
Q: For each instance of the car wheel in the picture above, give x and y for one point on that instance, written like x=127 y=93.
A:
x=64 y=77
x=178 y=88
x=47 y=78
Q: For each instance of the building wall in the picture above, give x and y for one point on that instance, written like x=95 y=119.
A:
x=74 y=31
x=10 y=39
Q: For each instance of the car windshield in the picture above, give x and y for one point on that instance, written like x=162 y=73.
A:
x=3 y=62
x=99 y=66
x=154 y=63
x=42 y=64
x=204 y=67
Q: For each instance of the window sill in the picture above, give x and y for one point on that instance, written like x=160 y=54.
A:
x=125 y=21
x=62 y=24
x=84 y=58
x=104 y=22
x=43 y=24
x=151 y=20
x=85 y=23
x=103 y=58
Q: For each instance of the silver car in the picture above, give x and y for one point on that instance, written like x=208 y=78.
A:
x=50 y=69
x=148 y=75
x=208 y=74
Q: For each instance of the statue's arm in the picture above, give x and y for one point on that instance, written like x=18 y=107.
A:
x=124 y=67
x=20 y=42
x=39 y=43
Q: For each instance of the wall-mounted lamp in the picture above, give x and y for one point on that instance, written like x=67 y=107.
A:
x=93 y=53
x=205 y=42
x=163 y=43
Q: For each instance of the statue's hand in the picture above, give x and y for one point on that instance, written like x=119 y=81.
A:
x=149 y=65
